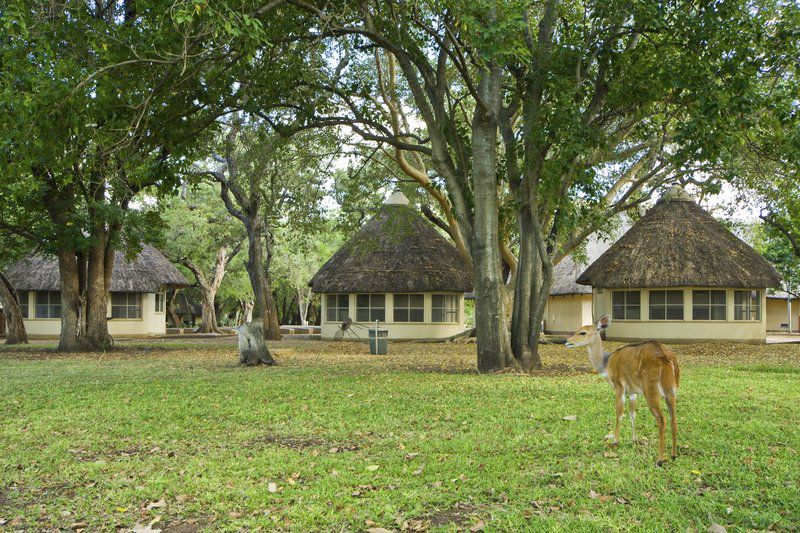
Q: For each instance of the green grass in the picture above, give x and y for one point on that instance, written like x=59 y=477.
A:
x=91 y=440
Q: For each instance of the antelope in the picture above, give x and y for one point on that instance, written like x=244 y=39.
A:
x=648 y=368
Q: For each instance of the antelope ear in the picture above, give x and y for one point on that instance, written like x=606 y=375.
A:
x=603 y=323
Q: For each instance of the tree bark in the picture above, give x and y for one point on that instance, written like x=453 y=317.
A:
x=171 y=311
x=97 y=298
x=521 y=314
x=257 y=266
x=494 y=348
x=16 y=333
x=303 y=301
x=72 y=327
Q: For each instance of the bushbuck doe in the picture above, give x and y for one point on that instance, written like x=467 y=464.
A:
x=647 y=368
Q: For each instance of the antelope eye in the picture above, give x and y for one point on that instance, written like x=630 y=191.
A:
x=583 y=333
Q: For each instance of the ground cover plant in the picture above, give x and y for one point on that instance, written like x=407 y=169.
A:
x=175 y=436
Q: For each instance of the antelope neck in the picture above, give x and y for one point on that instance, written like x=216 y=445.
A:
x=597 y=356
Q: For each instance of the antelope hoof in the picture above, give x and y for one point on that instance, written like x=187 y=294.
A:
x=674 y=457
x=660 y=462
x=614 y=444
x=610 y=436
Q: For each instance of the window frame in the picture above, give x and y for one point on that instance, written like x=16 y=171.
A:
x=753 y=304
x=709 y=305
x=24 y=304
x=338 y=308
x=127 y=306
x=49 y=305
x=445 y=309
x=665 y=306
x=161 y=298
x=407 y=307
x=374 y=311
x=625 y=304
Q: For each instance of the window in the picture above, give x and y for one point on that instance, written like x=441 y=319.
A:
x=709 y=305
x=626 y=305
x=48 y=304
x=666 y=305
x=160 y=298
x=337 y=307
x=409 y=308
x=444 y=308
x=370 y=307
x=126 y=305
x=24 y=306
x=747 y=305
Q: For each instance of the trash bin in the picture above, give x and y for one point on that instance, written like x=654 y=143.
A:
x=378 y=341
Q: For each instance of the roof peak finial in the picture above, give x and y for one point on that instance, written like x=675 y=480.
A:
x=676 y=193
x=397 y=198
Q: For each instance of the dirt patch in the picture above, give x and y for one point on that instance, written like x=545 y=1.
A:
x=116 y=455
x=300 y=443
x=462 y=515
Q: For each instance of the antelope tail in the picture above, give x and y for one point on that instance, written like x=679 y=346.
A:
x=666 y=354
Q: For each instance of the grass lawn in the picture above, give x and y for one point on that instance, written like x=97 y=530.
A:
x=333 y=439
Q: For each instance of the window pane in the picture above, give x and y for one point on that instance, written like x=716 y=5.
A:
x=700 y=297
x=675 y=313
x=618 y=298
x=330 y=300
x=362 y=300
x=344 y=301
x=378 y=314
x=437 y=300
x=417 y=315
x=118 y=311
x=718 y=297
x=343 y=315
x=718 y=312
x=362 y=315
x=118 y=298
x=700 y=313
x=633 y=312
x=55 y=311
x=400 y=315
x=740 y=297
x=41 y=299
x=657 y=297
x=675 y=297
x=633 y=297
x=401 y=300
x=417 y=300
x=55 y=298
x=332 y=314
x=657 y=313
x=378 y=300
x=618 y=312
x=437 y=315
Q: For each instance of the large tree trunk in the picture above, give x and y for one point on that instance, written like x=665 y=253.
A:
x=256 y=266
x=303 y=301
x=13 y=315
x=72 y=325
x=521 y=315
x=97 y=298
x=209 y=324
x=171 y=311
x=494 y=347
x=247 y=311
x=541 y=283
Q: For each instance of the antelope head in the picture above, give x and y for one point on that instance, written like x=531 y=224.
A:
x=588 y=335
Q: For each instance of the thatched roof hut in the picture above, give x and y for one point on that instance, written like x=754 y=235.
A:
x=565 y=274
x=396 y=251
x=679 y=244
x=149 y=272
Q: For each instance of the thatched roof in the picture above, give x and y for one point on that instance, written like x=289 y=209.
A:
x=150 y=271
x=565 y=275
x=678 y=244
x=396 y=251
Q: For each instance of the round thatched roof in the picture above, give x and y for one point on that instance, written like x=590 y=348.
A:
x=150 y=271
x=678 y=244
x=396 y=251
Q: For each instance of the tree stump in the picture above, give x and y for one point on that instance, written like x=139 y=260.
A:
x=252 y=348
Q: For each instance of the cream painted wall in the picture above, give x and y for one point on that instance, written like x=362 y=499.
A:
x=151 y=323
x=777 y=314
x=686 y=330
x=567 y=313
x=398 y=330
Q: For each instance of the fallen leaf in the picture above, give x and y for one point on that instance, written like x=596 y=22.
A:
x=419 y=470
x=272 y=487
x=696 y=472
x=570 y=417
x=716 y=528
x=181 y=498
x=139 y=528
x=610 y=455
x=378 y=530
x=121 y=509
x=373 y=468
x=623 y=500
x=477 y=527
